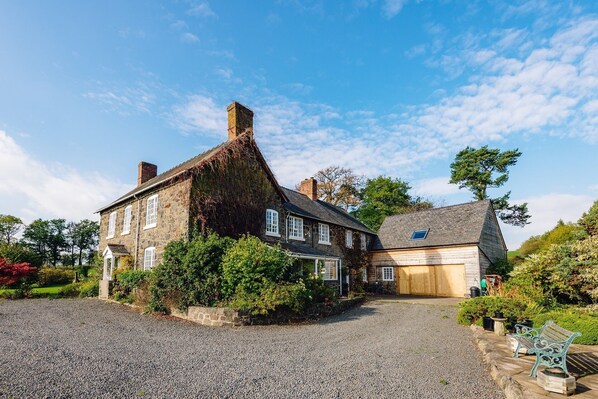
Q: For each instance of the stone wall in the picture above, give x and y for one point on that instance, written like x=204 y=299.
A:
x=216 y=317
x=172 y=224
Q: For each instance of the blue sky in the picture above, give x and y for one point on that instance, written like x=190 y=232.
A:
x=394 y=87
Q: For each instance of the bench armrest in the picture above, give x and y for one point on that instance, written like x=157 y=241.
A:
x=525 y=331
x=549 y=347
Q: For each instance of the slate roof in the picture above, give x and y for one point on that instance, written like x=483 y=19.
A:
x=118 y=249
x=449 y=225
x=306 y=250
x=300 y=205
x=190 y=164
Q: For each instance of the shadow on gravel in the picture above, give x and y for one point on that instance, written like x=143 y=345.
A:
x=351 y=314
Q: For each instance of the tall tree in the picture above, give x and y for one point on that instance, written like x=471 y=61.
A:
x=339 y=186
x=385 y=196
x=35 y=236
x=9 y=227
x=484 y=168
x=56 y=239
x=86 y=235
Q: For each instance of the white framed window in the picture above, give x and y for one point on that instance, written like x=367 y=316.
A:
x=151 y=216
x=296 y=228
x=365 y=274
x=330 y=271
x=324 y=235
x=149 y=258
x=388 y=274
x=127 y=220
x=272 y=223
x=111 y=225
x=364 y=241
x=349 y=238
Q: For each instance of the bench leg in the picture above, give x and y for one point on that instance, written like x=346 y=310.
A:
x=535 y=368
x=516 y=354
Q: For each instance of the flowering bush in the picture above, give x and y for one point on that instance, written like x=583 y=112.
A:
x=12 y=274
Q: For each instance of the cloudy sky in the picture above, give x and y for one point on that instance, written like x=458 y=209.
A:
x=394 y=87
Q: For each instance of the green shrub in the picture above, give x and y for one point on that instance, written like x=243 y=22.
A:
x=472 y=310
x=19 y=253
x=250 y=266
x=573 y=320
x=126 y=281
x=502 y=267
x=189 y=273
x=47 y=277
x=272 y=297
x=69 y=291
x=89 y=288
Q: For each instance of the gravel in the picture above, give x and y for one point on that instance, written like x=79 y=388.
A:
x=85 y=348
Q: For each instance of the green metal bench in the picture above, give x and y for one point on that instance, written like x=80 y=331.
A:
x=549 y=343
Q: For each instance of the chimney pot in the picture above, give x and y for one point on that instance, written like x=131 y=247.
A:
x=309 y=187
x=240 y=120
x=145 y=172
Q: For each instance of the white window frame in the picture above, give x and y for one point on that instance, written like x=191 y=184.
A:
x=151 y=214
x=127 y=220
x=364 y=241
x=324 y=234
x=392 y=273
x=296 y=226
x=365 y=275
x=329 y=266
x=149 y=262
x=272 y=225
x=349 y=239
x=111 y=225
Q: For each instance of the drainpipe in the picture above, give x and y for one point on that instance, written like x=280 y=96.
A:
x=136 y=232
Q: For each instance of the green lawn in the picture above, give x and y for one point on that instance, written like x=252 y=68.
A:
x=54 y=289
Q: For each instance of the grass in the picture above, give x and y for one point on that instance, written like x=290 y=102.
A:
x=52 y=290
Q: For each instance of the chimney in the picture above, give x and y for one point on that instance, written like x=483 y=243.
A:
x=309 y=187
x=240 y=120
x=146 y=171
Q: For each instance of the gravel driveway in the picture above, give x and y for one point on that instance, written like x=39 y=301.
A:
x=84 y=348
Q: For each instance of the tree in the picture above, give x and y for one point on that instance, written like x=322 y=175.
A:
x=13 y=273
x=86 y=234
x=385 y=196
x=9 y=227
x=36 y=237
x=56 y=239
x=589 y=220
x=480 y=169
x=339 y=186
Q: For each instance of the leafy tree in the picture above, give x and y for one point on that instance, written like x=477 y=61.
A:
x=339 y=186
x=19 y=253
x=15 y=273
x=384 y=196
x=56 y=239
x=85 y=236
x=36 y=236
x=589 y=220
x=484 y=168
x=9 y=227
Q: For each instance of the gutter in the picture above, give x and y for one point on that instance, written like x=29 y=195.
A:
x=137 y=231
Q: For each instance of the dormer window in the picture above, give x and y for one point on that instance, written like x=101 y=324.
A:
x=324 y=231
x=419 y=234
x=272 y=223
x=296 y=228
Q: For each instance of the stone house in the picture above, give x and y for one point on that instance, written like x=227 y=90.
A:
x=231 y=190
x=437 y=252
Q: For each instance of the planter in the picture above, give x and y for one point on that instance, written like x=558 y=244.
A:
x=488 y=323
x=556 y=381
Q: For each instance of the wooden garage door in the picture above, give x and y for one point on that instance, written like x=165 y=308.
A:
x=439 y=280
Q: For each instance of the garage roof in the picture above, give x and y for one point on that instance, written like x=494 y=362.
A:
x=449 y=225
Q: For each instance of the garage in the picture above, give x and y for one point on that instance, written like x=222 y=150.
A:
x=432 y=280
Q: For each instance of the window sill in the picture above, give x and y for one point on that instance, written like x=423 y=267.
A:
x=297 y=238
x=272 y=234
x=331 y=279
x=325 y=242
x=388 y=281
x=149 y=226
x=125 y=234
x=109 y=237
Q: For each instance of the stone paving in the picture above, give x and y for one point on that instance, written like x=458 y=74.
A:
x=582 y=361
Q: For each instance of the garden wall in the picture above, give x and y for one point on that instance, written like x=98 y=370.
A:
x=216 y=317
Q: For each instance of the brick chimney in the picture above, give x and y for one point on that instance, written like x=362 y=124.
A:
x=240 y=120
x=309 y=187
x=146 y=171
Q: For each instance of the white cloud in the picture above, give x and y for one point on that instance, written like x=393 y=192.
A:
x=437 y=186
x=30 y=189
x=225 y=73
x=189 y=37
x=124 y=101
x=390 y=8
x=546 y=210
x=200 y=114
x=202 y=9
